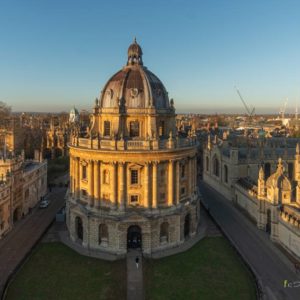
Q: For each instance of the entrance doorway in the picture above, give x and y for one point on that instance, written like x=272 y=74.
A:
x=268 y=225
x=134 y=237
x=187 y=224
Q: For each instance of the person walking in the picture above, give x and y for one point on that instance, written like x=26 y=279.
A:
x=137 y=262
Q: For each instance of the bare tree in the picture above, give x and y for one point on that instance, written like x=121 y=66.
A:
x=5 y=110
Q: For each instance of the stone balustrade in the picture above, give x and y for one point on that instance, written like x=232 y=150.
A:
x=110 y=144
x=290 y=215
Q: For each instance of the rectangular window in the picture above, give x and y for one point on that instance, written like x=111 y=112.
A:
x=161 y=128
x=134 y=177
x=134 y=199
x=134 y=129
x=84 y=172
x=106 y=128
x=182 y=171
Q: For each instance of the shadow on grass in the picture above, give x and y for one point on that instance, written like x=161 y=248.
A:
x=54 y=271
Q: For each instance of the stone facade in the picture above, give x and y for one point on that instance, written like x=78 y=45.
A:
x=22 y=184
x=5 y=200
x=132 y=178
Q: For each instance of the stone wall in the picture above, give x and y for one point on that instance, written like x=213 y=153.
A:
x=117 y=229
x=246 y=201
x=216 y=183
x=289 y=237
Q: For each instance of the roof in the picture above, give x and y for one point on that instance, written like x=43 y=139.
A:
x=134 y=85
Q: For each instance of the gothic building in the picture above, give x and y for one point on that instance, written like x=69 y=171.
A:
x=132 y=178
x=262 y=177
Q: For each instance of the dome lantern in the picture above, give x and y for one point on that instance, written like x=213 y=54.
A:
x=135 y=54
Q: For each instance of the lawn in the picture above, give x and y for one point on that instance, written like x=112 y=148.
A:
x=54 y=271
x=209 y=270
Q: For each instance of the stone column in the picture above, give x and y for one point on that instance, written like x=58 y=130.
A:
x=192 y=174
x=177 y=182
x=91 y=183
x=114 y=185
x=121 y=200
x=189 y=176
x=146 y=185
x=96 y=183
x=71 y=176
x=170 y=183
x=77 y=180
x=154 y=184
x=99 y=185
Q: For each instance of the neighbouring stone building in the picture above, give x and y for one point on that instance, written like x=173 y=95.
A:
x=5 y=204
x=22 y=184
x=132 y=177
x=261 y=176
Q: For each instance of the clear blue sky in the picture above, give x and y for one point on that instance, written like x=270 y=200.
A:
x=57 y=53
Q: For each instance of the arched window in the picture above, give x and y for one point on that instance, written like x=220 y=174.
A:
x=207 y=163
x=134 y=129
x=106 y=177
x=164 y=232
x=103 y=235
x=187 y=225
x=225 y=173
x=106 y=131
x=216 y=166
x=79 y=228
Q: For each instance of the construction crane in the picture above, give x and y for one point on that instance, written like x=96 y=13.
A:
x=283 y=109
x=250 y=112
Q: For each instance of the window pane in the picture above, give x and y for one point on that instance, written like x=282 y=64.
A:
x=134 y=199
x=134 y=176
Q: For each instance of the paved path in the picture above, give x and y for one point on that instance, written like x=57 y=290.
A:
x=134 y=276
x=25 y=234
x=268 y=263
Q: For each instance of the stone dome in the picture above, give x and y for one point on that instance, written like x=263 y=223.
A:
x=134 y=86
x=278 y=179
x=74 y=115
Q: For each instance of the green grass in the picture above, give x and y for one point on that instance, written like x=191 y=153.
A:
x=54 y=271
x=209 y=270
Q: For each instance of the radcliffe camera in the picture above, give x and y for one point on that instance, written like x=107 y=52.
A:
x=149 y=150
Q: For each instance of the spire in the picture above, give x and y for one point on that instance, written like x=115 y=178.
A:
x=208 y=142
x=280 y=167
x=261 y=174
